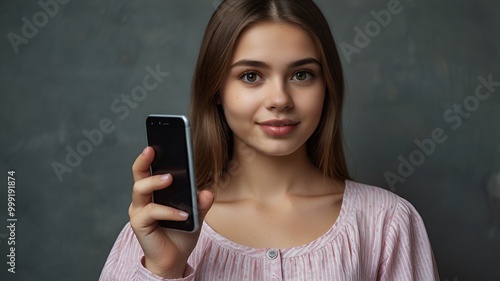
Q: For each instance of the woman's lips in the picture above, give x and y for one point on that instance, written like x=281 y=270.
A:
x=278 y=127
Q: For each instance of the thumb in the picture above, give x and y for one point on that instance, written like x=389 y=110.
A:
x=205 y=201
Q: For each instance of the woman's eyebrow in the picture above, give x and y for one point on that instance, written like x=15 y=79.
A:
x=304 y=62
x=261 y=64
x=250 y=63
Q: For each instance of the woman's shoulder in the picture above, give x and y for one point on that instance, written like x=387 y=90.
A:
x=370 y=193
x=125 y=258
x=373 y=201
x=393 y=231
x=127 y=244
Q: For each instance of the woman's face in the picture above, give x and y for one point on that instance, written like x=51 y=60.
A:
x=274 y=90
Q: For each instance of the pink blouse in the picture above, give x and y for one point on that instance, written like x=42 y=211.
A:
x=377 y=236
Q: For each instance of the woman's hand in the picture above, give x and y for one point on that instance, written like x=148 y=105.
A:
x=166 y=251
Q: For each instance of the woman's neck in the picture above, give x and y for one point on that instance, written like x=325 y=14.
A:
x=252 y=175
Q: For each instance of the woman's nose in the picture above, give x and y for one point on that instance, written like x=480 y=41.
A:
x=278 y=97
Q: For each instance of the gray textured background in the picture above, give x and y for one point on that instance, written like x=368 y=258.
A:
x=67 y=76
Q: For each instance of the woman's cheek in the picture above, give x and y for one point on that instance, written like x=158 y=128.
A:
x=242 y=101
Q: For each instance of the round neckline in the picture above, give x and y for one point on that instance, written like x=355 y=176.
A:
x=307 y=248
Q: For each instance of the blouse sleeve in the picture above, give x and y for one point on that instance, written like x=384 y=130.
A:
x=126 y=261
x=407 y=253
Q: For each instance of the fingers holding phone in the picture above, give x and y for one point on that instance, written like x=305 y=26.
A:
x=165 y=208
x=141 y=199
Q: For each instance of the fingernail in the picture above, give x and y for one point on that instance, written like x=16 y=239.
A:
x=183 y=214
x=144 y=151
x=165 y=177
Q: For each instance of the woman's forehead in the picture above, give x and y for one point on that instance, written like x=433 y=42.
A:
x=273 y=42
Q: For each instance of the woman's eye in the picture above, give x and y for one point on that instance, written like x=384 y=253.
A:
x=301 y=75
x=249 y=77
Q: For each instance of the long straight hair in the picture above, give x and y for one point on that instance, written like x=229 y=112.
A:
x=212 y=137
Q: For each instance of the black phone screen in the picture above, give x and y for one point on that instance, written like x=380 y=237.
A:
x=169 y=139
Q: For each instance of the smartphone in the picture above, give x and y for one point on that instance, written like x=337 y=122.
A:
x=170 y=137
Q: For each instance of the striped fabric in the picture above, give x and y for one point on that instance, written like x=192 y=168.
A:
x=377 y=236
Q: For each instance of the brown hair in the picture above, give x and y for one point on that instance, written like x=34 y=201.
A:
x=212 y=138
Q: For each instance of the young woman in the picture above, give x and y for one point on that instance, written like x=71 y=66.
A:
x=266 y=113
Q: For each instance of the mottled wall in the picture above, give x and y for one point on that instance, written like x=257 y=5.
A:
x=412 y=79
